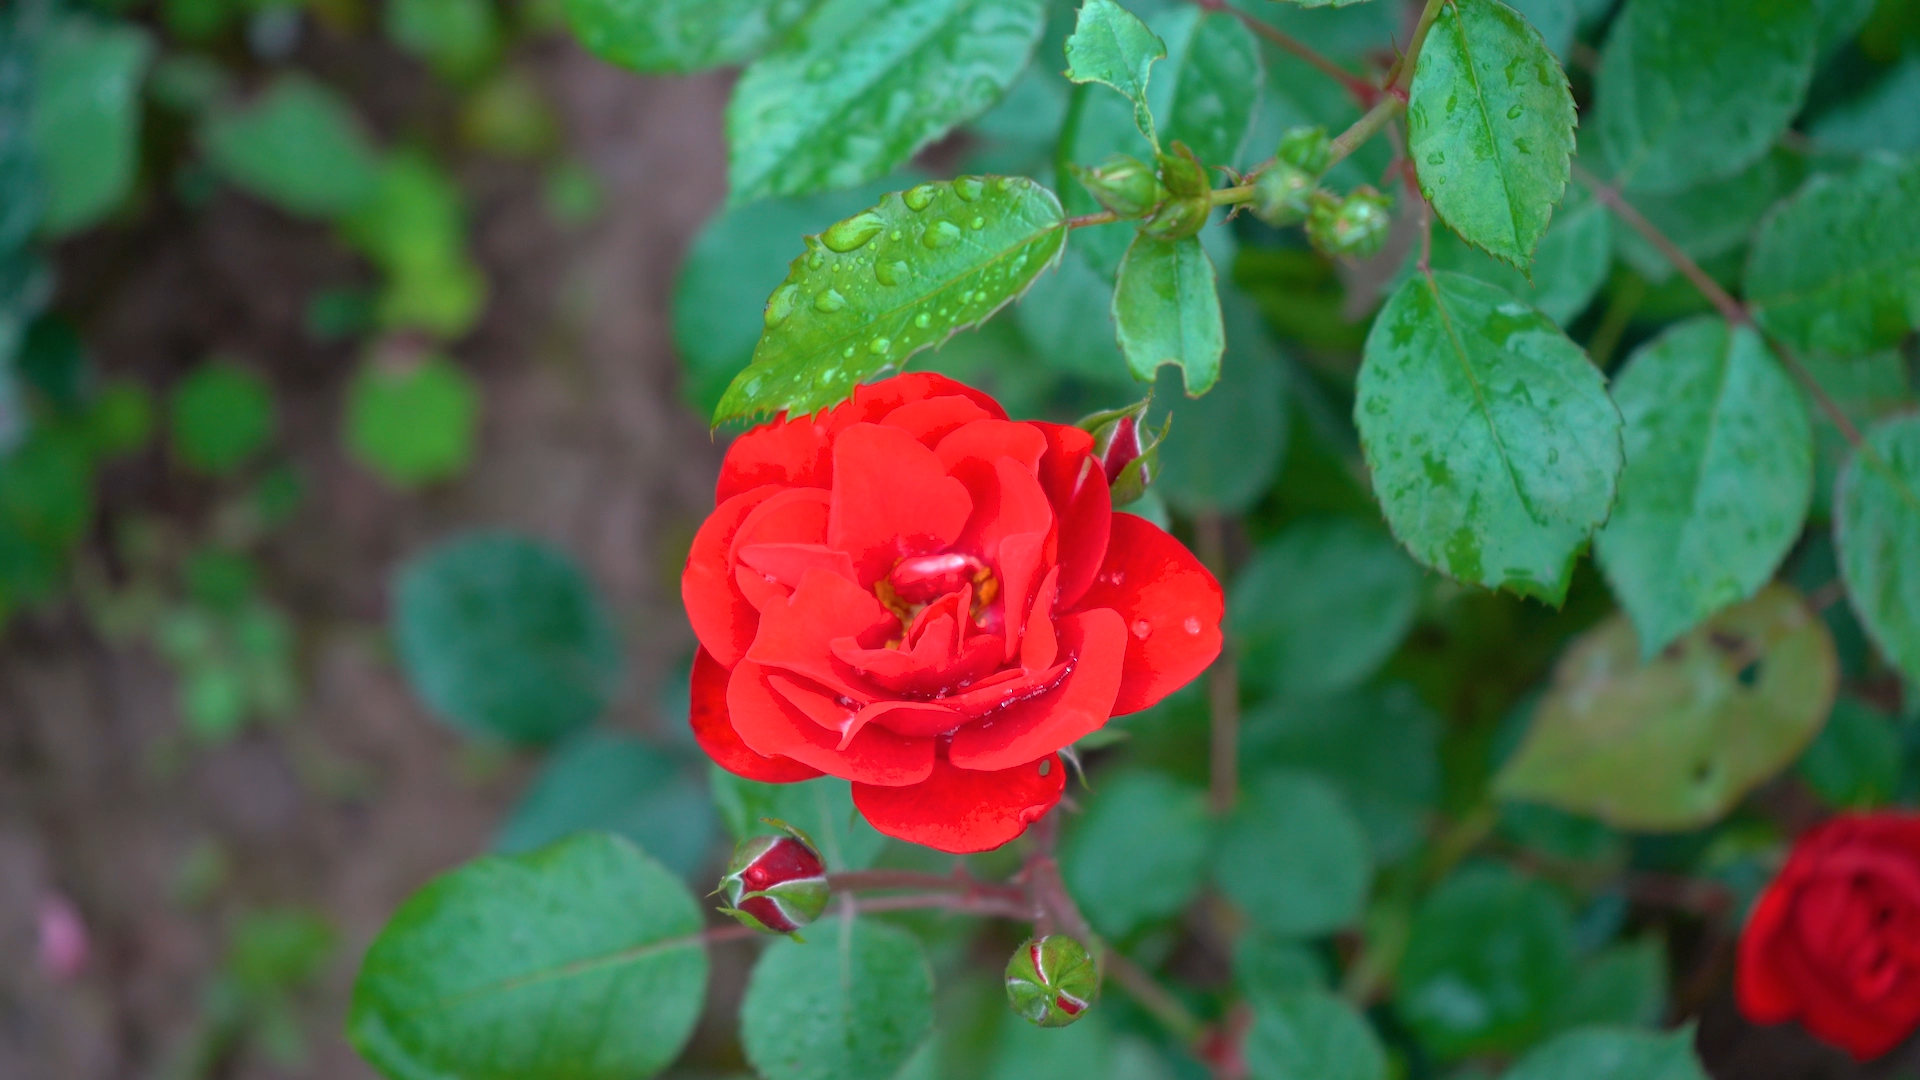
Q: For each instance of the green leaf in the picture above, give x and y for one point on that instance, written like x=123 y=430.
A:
x=1379 y=746
x=1293 y=857
x=1139 y=852
x=1110 y=46
x=1669 y=120
x=1612 y=1054
x=1569 y=266
x=1487 y=954
x=413 y=226
x=888 y=282
x=860 y=86
x=1855 y=763
x=582 y=960
x=1267 y=968
x=852 y=1004
x=1624 y=984
x=1877 y=528
x=1493 y=445
x=1881 y=119
x=1490 y=127
x=1067 y=320
x=1718 y=478
x=1225 y=449
x=1708 y=219
x=1675 y=742
x=1210 y=83
x=822 y=808
x=503 y=636
x=615 y=783
x=1312 y=1036
x=680 y=36
x=412 y=423
x=1166 y=309
x=459 y=39
x=298 y=146
x=738 y=258
x=1836 y=269
x=1840 y=20
x=1321 y=607
x=86 y=118
x=1557 y=21
x=219 y=417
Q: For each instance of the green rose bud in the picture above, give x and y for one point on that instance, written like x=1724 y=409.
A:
x=1182 y=172
x=1124 y=185
x=1178 y=218
x=776 y=884
x=1356 y=225
x=1307 y=149
x=1051 y=981
x=1282 y=194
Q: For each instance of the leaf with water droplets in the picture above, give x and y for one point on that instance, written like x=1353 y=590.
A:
x=1718 y=478
x=679 y=36
x=1209 y=85
x=1166 y=307
x=1836 y=269
x=1490 y=127
x=1697 y=90
x=1877 y=528
x=1674 y=742
x=1493 y=445
x=860 y=86
x=890 y=281
x=1111 y=46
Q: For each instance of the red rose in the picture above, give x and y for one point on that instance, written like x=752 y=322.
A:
x=923 y=597
x=1835 y=939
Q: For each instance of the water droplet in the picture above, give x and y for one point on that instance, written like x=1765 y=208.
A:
x=892 y=273
x=829 y=301
x=919 y=198
x=968 y=187
x=879 y=346
x=847 y=352
x=1142 y=628
x=1514 y=113
x=853 y=233
x=894 y=235
x=1436 y=158
x=1192 y=625
x=977 y=223
x=1003 y=184
x=780 y=304
x=923 y=320
x=941 y=234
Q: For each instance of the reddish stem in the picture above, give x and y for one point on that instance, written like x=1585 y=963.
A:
x=1362 y=90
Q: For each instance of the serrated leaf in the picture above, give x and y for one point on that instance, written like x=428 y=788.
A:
x=1877 y=529
x=412 y=423
x=1836 y=269
x=299 y=146
x=86 y=117
x=581 y=960
x=1673 y=743
x=1111 y=46
x=853 y=1003
x=679 y=36
x=1226 y=448
x=1718 y=477
x=1209 y=85
x=1709 y=219
x=1487 y=954
x=1166 y=310
x=1882 y=119
x=1569 y=266
x=1312 y=1035
x=1139 y=852
x=888 y=282
x=1490 y=127
x=1612 y=1054
x=610 y=782
x=1493 y=445
x=860 y=86
x=503 y=636
x=1696 y=90
x=1293 y=858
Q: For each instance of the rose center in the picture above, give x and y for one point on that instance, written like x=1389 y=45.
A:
x=922 y=579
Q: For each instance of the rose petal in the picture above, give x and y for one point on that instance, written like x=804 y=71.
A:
x=962 y=811
x=785 y=453
x=934 y=419
x=798 y=636
x=721 y=615
x=1170 y=604
x=876 y=401
x=1039 y=645
x=1081 y=704
x=1081 y=504
x=1760 y=987
x=788 y=563
x=987 y=441
x=770 y=724
x=714 y=732
x=891 y=499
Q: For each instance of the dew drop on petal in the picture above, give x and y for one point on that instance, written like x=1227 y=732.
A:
x=1192 y=625
x=1141 y=628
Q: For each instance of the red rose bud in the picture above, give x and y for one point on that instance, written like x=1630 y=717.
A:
x=1831 y=942
x=1051 y=981
x=1127 y=449
x=776 y=884
x=1307 y=149
x=1124 y=185
x=1356 y=225
x=1282 y=194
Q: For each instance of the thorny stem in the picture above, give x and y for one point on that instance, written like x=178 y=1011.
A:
x=1286 y=42
x=1223 y=685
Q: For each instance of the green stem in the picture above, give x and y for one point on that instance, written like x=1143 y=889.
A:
x=1621 y=306
x=1369 y=125
x=1402 y=70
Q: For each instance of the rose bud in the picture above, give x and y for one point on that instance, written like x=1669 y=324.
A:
x=1051 y=981
x=1124 y=185
x=1307 y=149
x=1282 y=194
x=1127 y=449
x=1182 y=172
x=776 y=884
x=1356 y=225
x=1831 y=942
x=1179 y=217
